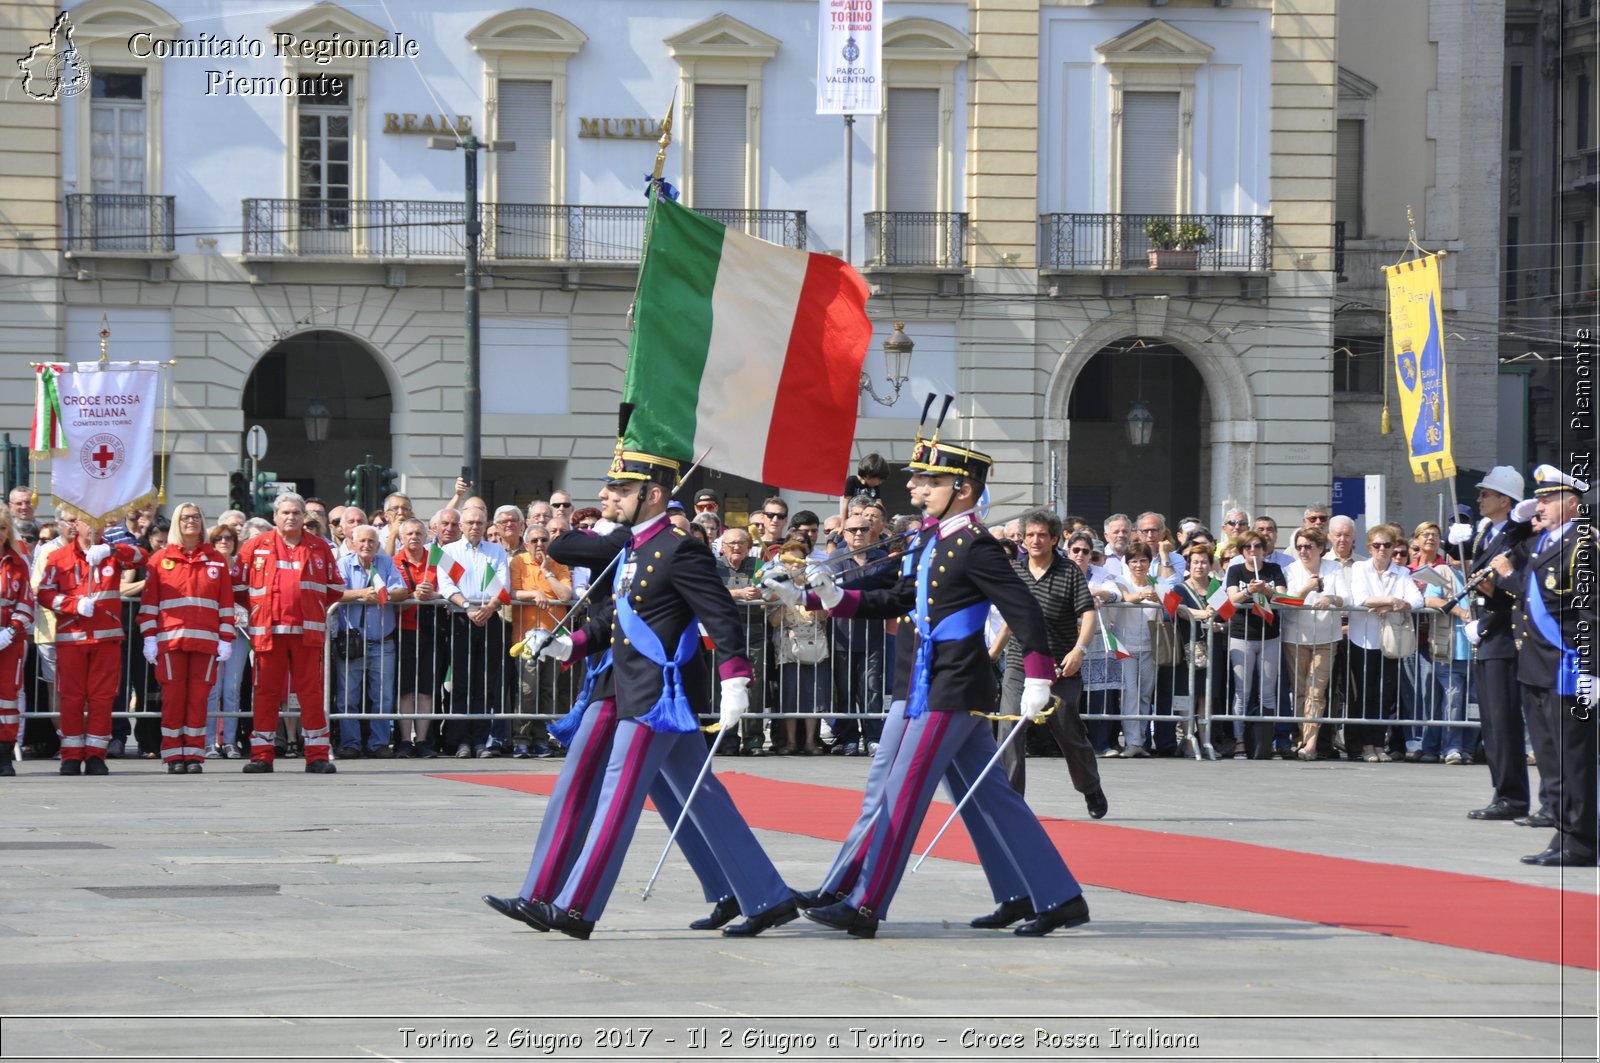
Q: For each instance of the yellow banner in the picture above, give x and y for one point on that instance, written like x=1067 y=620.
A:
x=1415 y=323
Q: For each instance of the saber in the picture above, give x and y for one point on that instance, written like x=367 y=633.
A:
x=684 y=815
x=521 y=647
x=978 y=779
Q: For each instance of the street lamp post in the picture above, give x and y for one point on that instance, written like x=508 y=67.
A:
x=896 y=363
x=472 y=388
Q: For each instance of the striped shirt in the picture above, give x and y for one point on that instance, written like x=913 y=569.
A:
x=1063 y=594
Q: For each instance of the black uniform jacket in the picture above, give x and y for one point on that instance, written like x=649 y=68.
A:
x=970 y=566
x=673 y=582
x=1564 y=574
x=583 y=549
x=1493 y=611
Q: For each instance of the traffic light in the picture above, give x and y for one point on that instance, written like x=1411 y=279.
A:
x=352 y=485
x=388 y=483
x=239 y=496
x=266 y=496
x=16 y=463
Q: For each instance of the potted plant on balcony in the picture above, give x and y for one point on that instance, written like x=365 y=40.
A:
x=1174 y=243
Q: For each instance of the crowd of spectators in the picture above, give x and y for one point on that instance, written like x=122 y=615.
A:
x=1163 y=626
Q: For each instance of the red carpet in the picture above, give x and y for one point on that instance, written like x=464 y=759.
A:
x=1462 y=911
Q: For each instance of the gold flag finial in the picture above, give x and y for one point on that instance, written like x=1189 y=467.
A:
x=666 y=138
x=105 y=338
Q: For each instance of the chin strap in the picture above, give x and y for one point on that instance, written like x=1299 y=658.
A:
x=956 y=484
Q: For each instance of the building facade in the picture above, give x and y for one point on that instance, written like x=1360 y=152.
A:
x=1108 y=227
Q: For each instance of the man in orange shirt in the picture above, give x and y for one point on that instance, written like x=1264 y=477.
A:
x=540 y=588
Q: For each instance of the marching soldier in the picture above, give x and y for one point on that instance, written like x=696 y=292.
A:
x=664 y=580
x=959 y=569
x=1555 y=616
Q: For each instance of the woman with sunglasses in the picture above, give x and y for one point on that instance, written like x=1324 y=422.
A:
x=1253 y=644
x=16 y=623
x=1311 y=634
x=1380 y=588
x=225 y=691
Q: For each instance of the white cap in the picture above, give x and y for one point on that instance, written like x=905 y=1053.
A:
x=1506 y=480
x=1552 y=479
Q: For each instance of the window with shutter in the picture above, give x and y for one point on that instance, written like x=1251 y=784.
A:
x=913 y=132
x=524 y=117
x=1150 y=153
x=1347 y=178
x=720 y=147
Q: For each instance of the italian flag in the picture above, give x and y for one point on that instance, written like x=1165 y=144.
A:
x=1219 y=601
x=47 y=436
x=1288 y=599
x=1113 y=646
x=746 y=348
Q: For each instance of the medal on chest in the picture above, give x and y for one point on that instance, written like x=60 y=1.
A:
x=625 y=580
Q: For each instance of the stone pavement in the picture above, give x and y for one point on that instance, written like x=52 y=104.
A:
x=338 y=917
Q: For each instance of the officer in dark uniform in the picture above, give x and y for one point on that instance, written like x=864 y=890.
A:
x=664 y=581
x=959 y=569
x=1495 y=654
x=587 y=732
x=1554 y=625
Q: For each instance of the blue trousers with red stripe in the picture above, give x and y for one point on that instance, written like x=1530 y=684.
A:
x=639 y=756
x=934 y=743
x=1005 y=882
x=573 y=801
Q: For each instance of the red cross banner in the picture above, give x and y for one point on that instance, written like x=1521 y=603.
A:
x=107 y=420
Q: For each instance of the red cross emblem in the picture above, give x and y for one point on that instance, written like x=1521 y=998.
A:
x=101 y=456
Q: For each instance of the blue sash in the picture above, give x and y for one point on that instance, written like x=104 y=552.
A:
x=671 y=713
x=564 y=729
x=1539 y=613
x=958 y=625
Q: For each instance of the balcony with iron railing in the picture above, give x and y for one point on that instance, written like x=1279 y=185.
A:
x=916 y=241
x=1232 y=244
x=120 y=224
x=410 y=230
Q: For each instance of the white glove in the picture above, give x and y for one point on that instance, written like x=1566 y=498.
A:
x=1459 y=534
x=98 y=553
x=150 y=650
x=820 y=580
x=224 y=651
x=1472 y=631
x=735 y=700
x=780 y=587
x=1035 y=697
x=241 y=616
x=7 y=636
x=540 y=643
x=85 y=607
x=1523 y=511
x=605 y=527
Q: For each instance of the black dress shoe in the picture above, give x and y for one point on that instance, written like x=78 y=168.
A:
x=725 y=912
x=514 y=909
x=1008 y=912
x=1098 y=805
x=258 y=767
x=71 y=767
x=1559 y=855
x=1498 y=810
x=569 y=923
x=858 y=922
x=1069 y=913
x=95 y=766
x=807 y=899
x=426 y=751
x=321 y=767
x=784 y=911
x=1535 y=819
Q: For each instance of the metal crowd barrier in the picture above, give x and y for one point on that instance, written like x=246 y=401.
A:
x=447 y=675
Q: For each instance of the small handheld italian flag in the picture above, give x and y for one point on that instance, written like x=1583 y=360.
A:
x=435 y=555
x=1170 y=598
x=1113 y=646
x=48 y=435
x=1261 y=607
x=1221 y=605
x=1292 y=601
x=491 y=580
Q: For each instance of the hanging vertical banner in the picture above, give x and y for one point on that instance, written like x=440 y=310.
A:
x=1415 y=323
x=104 y=416
x=849 y=57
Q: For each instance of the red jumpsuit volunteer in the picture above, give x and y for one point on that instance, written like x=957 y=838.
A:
x=16 y=624
x=186 y=618
x=291 y=580
x=82 y=582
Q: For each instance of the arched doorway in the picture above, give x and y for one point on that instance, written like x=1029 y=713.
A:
x=343 y=375
x=1107 y=472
